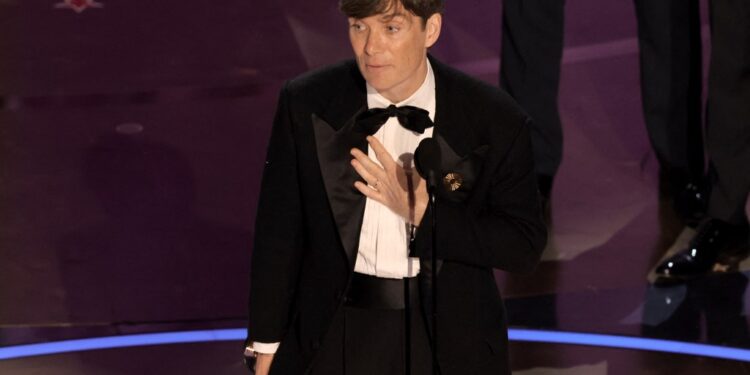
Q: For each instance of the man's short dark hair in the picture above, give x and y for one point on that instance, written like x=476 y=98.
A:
x=424 y=9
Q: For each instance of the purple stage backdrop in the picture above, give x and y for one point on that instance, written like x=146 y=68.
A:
x=133 y=133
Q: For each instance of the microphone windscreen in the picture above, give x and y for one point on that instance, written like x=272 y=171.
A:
x=427 y=157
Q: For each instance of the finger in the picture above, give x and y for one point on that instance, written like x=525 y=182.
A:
x=385 y=159
x=357 y=153
x=370 y=165
x=368 y=191
x=362 y=171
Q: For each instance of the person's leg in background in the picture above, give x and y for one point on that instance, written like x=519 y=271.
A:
x=531 y=55
x=669 y=39
x=722 y=240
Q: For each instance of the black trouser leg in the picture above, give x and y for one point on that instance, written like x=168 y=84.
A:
x=728 y=126
x=530 y=71
x=669 y=38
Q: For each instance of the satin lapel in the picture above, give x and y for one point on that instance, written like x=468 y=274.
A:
x=334 y=137
x=347 y=204
x=451 y=127
x=453 y=134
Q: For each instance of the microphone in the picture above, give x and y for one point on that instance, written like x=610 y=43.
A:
x=427 y=160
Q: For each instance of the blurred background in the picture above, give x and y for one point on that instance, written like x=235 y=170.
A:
x=132 y=138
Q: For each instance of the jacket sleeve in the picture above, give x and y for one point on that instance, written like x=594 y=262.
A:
x=501 y=229
x=279 y=237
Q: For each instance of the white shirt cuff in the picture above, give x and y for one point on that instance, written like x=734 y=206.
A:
x=264 y=347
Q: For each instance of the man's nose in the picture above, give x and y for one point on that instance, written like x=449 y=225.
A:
x=373 y=43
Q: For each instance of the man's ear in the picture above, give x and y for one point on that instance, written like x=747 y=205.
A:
x=432 y=28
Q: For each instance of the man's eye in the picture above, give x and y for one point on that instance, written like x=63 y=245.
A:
x=357 y=27
x=393 y=29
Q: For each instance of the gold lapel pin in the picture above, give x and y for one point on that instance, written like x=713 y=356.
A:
x=453 y=181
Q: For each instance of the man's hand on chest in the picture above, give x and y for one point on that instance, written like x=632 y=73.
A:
x=400 y=189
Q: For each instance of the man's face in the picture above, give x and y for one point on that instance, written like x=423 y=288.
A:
x=390 y=49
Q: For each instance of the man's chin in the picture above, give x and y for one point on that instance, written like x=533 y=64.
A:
x=377 y=84
x=377 y=78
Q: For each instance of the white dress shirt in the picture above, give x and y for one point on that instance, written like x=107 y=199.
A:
x=384 y=237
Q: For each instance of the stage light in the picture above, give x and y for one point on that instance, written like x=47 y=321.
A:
x=123 y=341
x=514 y=334
x=629 y=342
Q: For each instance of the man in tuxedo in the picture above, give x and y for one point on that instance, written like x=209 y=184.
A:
x=341 y=270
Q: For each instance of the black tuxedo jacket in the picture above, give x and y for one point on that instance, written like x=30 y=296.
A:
x=309 y=216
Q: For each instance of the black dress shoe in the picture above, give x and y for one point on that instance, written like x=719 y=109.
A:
x=715 y=241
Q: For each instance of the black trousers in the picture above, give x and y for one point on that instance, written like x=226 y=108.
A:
x=530 y=71
x=669 y=37
x=728 y=116
x=373 y=341
x=670 y=59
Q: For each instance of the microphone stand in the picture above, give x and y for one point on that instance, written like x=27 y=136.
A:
x=431 y=186
x=428 y=160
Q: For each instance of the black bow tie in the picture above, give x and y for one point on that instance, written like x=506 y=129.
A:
x=410 y=117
